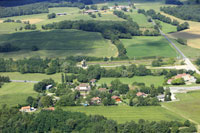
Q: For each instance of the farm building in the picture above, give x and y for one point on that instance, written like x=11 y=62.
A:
x=187 y=78
x=83 y=87
x=27 y=109
x=93 y=81
x=117 y=99
x=61 y=14
x=161 y=97
x=96 y=100
x=141 y=94
x=91 y=11
x=102 y=89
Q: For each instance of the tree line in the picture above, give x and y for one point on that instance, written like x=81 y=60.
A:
x=4 y=79
x=185 y=12
x=165 y=19
x=112 y=30
x=47 y=121
x=35 y=8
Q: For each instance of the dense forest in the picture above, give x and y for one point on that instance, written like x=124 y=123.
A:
x=10 y=3
x=186 y=12
x=35 y=8
x=63 y=121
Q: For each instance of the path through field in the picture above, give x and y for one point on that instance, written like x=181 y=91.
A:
x=195 y=122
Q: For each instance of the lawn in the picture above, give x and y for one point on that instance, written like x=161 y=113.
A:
x=144 y=46
x=13 y=94
x=31 y=76
x=188 y=106
x=59 y=43
x=123 y=114
x=148 y=80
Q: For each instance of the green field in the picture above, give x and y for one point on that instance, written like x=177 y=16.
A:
x=168 y=28
x=59 y=43
x=143 y=46
x=187 y=50
x=148 y=80
x=141 y=19
x=31 y=76
x=126 y=113
x=13 y=94
x=188 y=106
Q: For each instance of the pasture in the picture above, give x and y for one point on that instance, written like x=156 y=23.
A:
x=123 y=114
x=148 y=80
x=188 y=106
x=143 y=46
x=13 y=94
x=168 y=28
x=31 y=76
x=58 y=43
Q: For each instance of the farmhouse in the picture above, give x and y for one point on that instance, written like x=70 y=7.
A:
x=91 y=11
x=49 y=87
x=61 y=14
x=161 y=97
x=96 y=100
x=27 y=109
x=117 y=99
x=84 y=87
x=93 y=81
x=187 y=78
x=102 y=89
x=141 y=94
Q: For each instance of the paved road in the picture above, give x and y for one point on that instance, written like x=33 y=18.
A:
x=187 y=60
x=24 y=81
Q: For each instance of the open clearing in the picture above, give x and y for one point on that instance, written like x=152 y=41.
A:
x=123 y=114
x=13 y=94
x=148 y=47
x=59 y=43
x=31 y=76
x=148 y=80
x=188 y=106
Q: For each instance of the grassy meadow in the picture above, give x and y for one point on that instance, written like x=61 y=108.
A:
x=31 y=76
x=188 y=106
x=148 y=80
x=13 y=94
x=148 y=46
x=123 y=114
x=59 y=43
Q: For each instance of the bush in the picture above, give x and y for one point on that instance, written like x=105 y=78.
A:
x=179 y=81
x=182 y=41
x=52 y=15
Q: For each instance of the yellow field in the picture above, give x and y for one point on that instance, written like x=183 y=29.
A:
x=33 y=21
x=192 y=35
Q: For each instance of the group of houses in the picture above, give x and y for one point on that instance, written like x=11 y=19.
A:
x=119 y=8
x=29 y=109
x=186 y=77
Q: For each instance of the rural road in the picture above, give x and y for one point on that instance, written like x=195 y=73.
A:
x=187 y=60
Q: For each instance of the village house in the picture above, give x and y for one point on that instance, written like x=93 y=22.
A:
x=161 y=97
x=50 y=108
x=91 y=11
x=84 y=89
x=117 y=99
x=49 y=87
x=187 y=78
x=61 y=14
x=141 y=94
x=96 y=100
x=93 y=81
x=102 y=89
x=27 y=109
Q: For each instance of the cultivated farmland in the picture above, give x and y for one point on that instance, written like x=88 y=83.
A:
x=59 y=43
x=148 y=47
